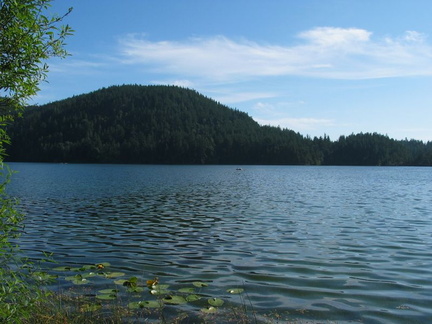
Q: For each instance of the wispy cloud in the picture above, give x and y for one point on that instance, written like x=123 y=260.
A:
x=325 y=52
x=77 y=66
x=230 y=97
x=176 y=82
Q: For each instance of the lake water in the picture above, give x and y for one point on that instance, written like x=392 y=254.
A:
x=335 y=243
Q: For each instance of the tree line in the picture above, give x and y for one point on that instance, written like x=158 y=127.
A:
x=174 y=125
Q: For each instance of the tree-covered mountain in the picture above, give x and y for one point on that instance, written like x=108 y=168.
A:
x=169 y=124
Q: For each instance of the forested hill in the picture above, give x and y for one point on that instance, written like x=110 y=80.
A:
x=168 y=124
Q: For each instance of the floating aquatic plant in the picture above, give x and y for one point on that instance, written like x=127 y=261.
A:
x=159 y=291
x=192 y=298
x=112 y=274
x=135 y=289
x=78 y=279
x=199 y=284
x=66 y=269
x=210 y=309
x=120 y=282
x=177 y=300
x=131 y=282
x=235 y=290
x=106 y=296
x=43 y=276
x=145 y=304
x=108 y=291
x=187 y=290
x=162 y=295
x=215 y=302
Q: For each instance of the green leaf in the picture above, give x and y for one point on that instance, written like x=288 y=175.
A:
x=192 y=298
x=89 y=275
x=112 y=274
x=216 y=302
x=82 y=281
x=177 y=300
x=235 y=290
x=160 y=287
x=87 y=267
x=199 y=284
x=120 y=282
x=106 y=296
x=43 y=276
x=209 y=309
x=135 y=289
x=108 y=291
x=187 y=290
x=159 y=292
x=64 y=269
x=77 y=279
x=145 y=304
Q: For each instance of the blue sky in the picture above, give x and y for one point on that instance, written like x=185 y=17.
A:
x=318 y=67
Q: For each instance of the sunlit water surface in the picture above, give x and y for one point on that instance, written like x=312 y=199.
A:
x=333 y=243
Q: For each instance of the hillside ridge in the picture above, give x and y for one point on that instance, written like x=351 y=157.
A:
x=175 y=125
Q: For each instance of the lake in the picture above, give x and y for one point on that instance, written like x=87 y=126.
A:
x=320 y=243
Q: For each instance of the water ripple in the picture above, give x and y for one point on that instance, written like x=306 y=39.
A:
x=343 y=244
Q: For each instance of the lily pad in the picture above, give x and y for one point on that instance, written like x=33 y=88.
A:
x=108 y=291
x=43 y=276
x=210 y=309
x=215 y=302
x=177 y=300
x=199 y=284
x=159 y=291
x=144 y=304
x=191 y=298
x=135 y=289
x=82 y=281
x=64 y=269
x=188 y=290
x=235 y=290
x=87 y=267
x=160 y=287
x=78 y=279
x=71 y=278
x=120 y=282
x=112 y=274
x=106 y=296
x=131 y=282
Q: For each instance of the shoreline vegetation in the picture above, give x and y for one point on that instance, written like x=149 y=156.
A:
x=173 y=125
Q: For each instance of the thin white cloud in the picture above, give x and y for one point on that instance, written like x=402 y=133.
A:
x=179 y=82
x=266 y=107
x=335 y=38
x=76 y=66
x=230 y=97
x=325 y=52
